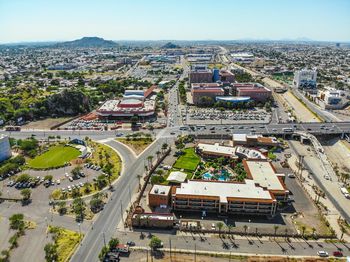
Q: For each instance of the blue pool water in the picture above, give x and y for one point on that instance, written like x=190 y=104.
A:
x=207 y=176
x=222 y=178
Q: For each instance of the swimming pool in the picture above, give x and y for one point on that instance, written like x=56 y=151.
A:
x=207 y=176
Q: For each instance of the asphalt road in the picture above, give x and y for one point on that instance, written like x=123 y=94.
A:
x=244 y=245
x=108 y=220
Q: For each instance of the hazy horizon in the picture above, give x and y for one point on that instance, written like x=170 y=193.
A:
x=54 y=21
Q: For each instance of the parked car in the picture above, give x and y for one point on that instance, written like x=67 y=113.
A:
x=70 y=179
x=322 y=253
x=130 y=243
x=337 y=254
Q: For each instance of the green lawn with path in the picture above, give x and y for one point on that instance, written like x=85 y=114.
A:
x=56 y=156
x=188 y=161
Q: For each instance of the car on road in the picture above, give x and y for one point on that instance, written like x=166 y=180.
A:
x=322 y=253
x=291 y=175
x=58 y=181
x=130 y=243
x=337 y=253
x=70 y=179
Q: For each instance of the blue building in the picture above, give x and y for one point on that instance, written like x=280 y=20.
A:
x=216 y=75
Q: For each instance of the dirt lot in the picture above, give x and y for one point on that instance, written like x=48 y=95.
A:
x=46 y=123
x=302 y=113
x=338 y=153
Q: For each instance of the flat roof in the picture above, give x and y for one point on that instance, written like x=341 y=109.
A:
x=177 y=176
x=218 y=149
x=224 y=190
x=264 y=174
x=160 y=190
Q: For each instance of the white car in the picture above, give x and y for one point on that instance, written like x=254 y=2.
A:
x=322 y=253
x=69 y=188
x=70 y=179
x=66 y=174
x=58 y=181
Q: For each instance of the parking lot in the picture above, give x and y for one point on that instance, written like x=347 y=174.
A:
x=42 y=188
x=214 y=116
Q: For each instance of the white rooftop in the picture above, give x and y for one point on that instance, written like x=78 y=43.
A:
x=264 y=175
x=160 y=190
x=177 y=176
x=224 y=190
x=218 y=149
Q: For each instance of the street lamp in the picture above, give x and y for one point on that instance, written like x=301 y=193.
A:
x=79 y=234
x=47 y=226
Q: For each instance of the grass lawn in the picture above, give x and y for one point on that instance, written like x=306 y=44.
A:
x=137 y=145
x=56 y=156
x=101 y=155
x=66 y=241
x=188 y=161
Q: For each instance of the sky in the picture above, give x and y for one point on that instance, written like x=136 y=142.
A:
x=61 y=20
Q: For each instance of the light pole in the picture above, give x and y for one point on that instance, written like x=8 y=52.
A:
x=104 y=238
x=79 y=234
x=47 y=226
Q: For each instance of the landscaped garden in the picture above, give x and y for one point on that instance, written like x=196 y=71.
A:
x=189 y=160
x=56 y=156
x=137 y=142
x=65 y=242
x=104 y=157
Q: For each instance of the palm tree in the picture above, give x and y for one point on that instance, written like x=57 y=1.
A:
x=275 y=227
x=229 y=228
x=303 y=228
x=313 y=231
x=219 y=225
x=158 y=154
x=149 y=159
x=343 y=230
x=139 y=177
x=164 y=147
x=245 y=227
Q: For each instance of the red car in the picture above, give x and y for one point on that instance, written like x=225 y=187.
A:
x=337 y=254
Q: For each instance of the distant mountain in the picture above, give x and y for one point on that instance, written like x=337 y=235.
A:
x=87 y=42
x=170 y=45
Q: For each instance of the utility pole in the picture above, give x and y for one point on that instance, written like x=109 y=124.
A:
x=195 y=251
x=121 y=213
x=104 y=238
x=170 y=249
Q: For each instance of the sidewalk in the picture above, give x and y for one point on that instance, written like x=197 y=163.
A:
x=332 y=214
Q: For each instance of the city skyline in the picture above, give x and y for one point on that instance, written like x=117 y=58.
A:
x=38 y=20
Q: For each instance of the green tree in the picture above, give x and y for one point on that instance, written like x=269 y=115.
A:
x=51 y=254
x=155 y=243
x=76 y=171
x=220 y=226
x=26 y=193
x=23 y=178
x=17 y=222
x=62 y=208
x=103 y=253
x=113 y=243
x=48 y=177
x=78 y=207
x=96 y=204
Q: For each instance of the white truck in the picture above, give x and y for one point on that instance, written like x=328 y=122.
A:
x=345 y=192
